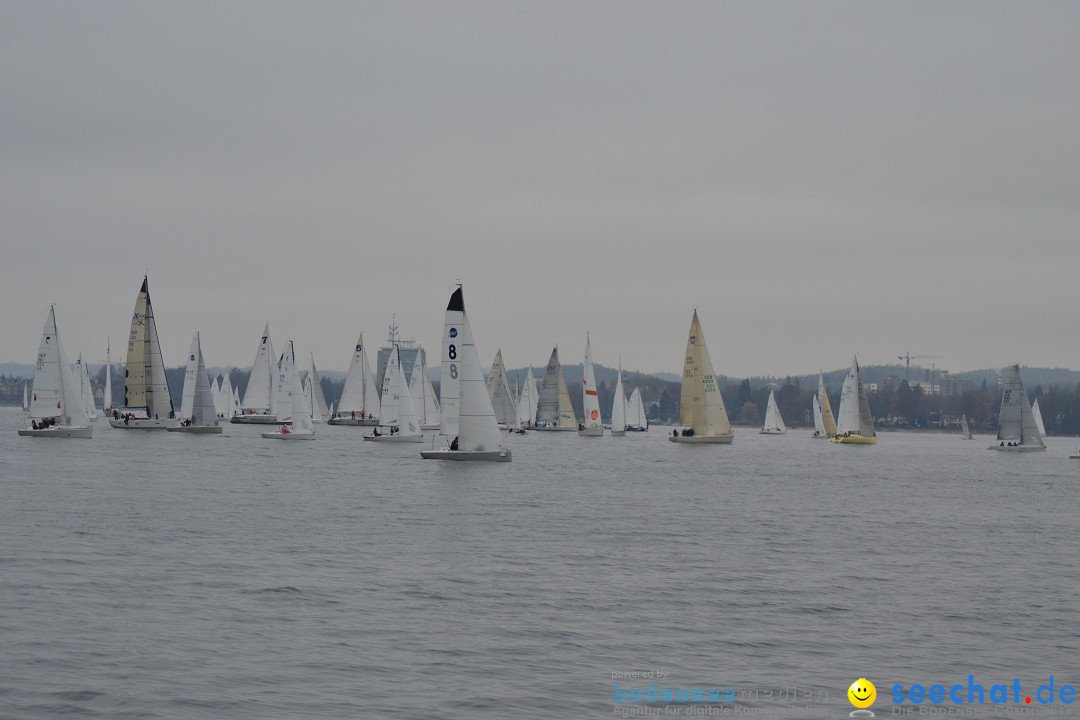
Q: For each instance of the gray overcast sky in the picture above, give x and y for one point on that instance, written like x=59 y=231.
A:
x=818 y=179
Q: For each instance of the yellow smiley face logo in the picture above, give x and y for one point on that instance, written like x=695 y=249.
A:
x=862 y=693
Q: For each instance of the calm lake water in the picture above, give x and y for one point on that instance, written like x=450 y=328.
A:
x=150 y=575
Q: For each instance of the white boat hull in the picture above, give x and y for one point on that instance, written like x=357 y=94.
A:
x=1018 y=448
x=553 y=428
x=489 y=455
x=59 y=431
x=143 y=424
x=254 y=419
x=395 y=438
x=288 y=436
x=353 y=422
x=196 y=429
x=591 y=432
x=703 y=439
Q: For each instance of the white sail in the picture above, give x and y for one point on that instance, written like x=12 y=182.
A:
x=554 y=407
x=502 y=400
x=260 y=395
x=618 y=406
x=432 y=409
x=527 y=398
x=228 y=404
x=635 y=411
x=423 y=395
x=197 y=406
x=397 y=410
x=108 y=397
x=55 y=392
x=85 y=390
x=467 y=415
x=590 y=399
x=1016 y=423
x=309 y=401
x=25 y=397
x=145 y=383
x=827 y=419
x=774 y=423
x=965 y=429
x=819 y=425
x=701 y=404
x=320 y=411
x=215 y=393
x=854 y=415
x=283 y=389
x=235 y=401
x=1037 y=414
x=360 y=396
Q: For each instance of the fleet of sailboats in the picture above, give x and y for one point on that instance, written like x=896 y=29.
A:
x=590 y=401
x=1017 y=429
x=56 y=407
x=855 y=424
x=62 y=403
x=197 y=411
x=774 y=424
x=554 y=411
x=148 y=403
x=468 y=420
x=702 y=413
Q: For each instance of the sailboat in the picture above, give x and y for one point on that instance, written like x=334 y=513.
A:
x=502 y=400
x=56 y=408
x=146 y=388
x=528 y=398
x=215 y=393
x=107 y=401
x=197 y=411
x=1017 y=429
x=396 y=413
x=590 y=402
x=554 y=411
x=1034 y=411
x=423 y=395
x=965 y=429
x=819 y=425
x=260 y=397
x=319 y=411
x=774 y=424
x=636 y=421
x=85 y=389
x=290 y=395
x=1076 y=455
x=828 y=422
x=701 y=413
x=468 y=420
x=235 y=403
x=855 y=425
x=359 y=401
x=618 y=407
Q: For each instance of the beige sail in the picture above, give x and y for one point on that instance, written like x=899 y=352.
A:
x=701 y=404
x=827 y=418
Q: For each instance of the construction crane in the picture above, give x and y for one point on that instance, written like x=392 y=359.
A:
x=908 y=357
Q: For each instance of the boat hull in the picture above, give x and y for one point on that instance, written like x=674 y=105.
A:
x=143 y=424
x=196 y=429
x=1018 y=448
x=59 y=432
x=591 y=432
x=395 y=438
x=819 y=436
x=855 y=440
x=254 y=420
x=553 y=428
x=353 y=422
x=703 y=439
x=488 y=455
x=288 y=436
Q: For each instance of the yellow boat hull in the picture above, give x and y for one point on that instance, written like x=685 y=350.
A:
x=855 y=439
